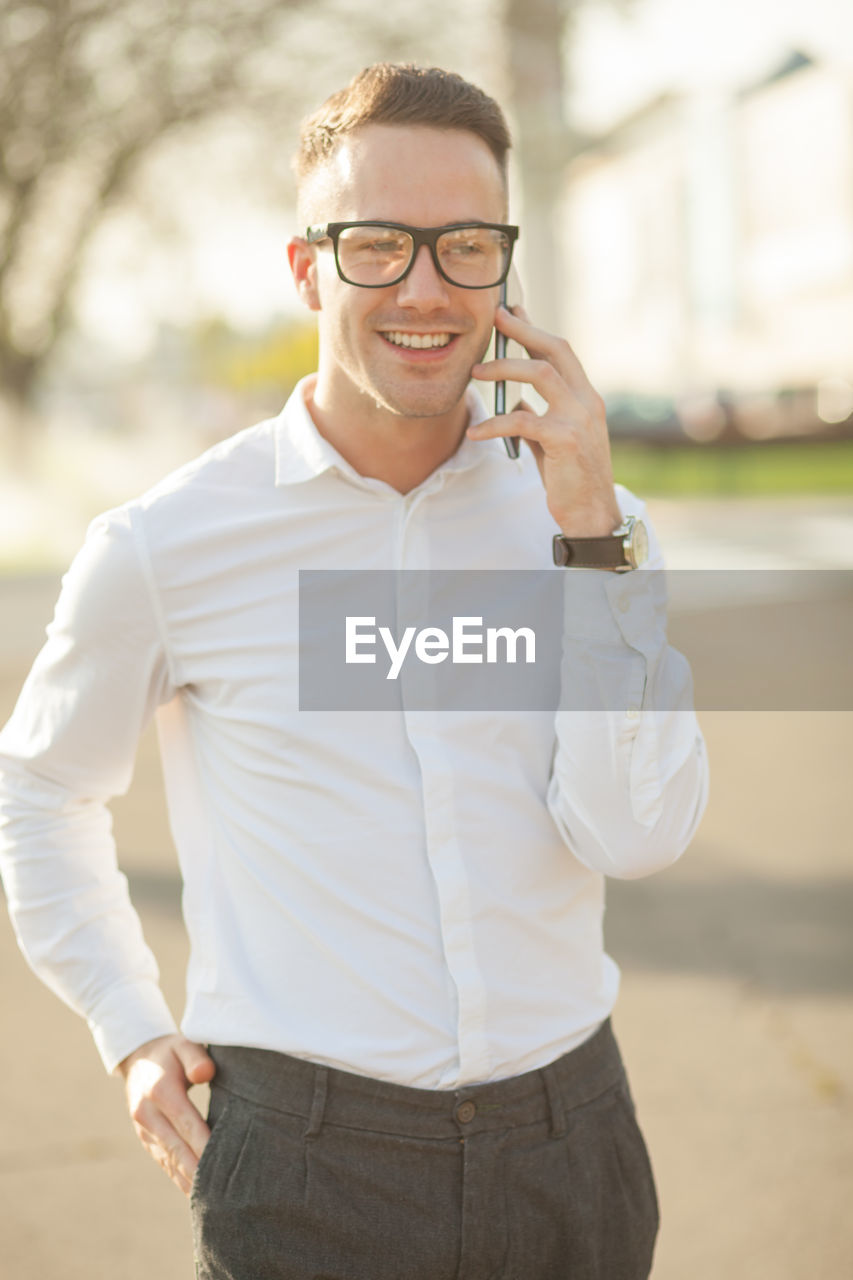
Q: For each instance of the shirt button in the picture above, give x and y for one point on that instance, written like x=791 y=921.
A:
x=633 y=713
x=465 y=1112
x=623 y=605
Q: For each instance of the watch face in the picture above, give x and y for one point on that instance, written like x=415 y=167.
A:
x=639 y=544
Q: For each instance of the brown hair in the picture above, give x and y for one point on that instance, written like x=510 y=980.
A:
x=401 y=93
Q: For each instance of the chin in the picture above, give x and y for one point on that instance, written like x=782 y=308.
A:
x=422 y=402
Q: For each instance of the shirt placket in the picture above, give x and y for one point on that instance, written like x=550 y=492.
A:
x=427 y=732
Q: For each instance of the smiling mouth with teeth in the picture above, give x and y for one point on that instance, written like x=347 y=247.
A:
x=419 y=341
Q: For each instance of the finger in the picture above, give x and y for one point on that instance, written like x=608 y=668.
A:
x=199 y=1067
x=170 y=1163
x=541 y=345
x=166 y=1146
x=183 y=1118
x=521 y=422
x=162 y=1107
x=511 y=367
x=540 y=374
x=516 y=324
x=192 y=1129
x=533 y=445
x=157 y=1130
x=177 y=1162
x=561 y=394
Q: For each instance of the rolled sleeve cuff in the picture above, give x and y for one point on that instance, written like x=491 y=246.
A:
x=127 y=1017
x=616 y=607
x=614 y=628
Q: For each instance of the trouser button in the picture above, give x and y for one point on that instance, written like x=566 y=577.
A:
x=465 y=1112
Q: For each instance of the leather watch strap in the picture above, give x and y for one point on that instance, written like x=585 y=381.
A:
x=589 y=553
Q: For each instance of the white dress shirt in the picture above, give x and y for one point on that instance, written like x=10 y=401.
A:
x=416 y=896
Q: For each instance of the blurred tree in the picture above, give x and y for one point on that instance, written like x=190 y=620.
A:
x=537 y=42
x=86 y=87
x=535 y=33
x=89 y=87
x=276 y=359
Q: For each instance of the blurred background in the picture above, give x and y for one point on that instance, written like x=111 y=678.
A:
x=683 y=177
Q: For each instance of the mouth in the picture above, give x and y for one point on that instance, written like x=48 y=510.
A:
x=409 y=341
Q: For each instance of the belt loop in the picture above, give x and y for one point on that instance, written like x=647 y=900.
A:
x=555 y=1102
x=318 y=1102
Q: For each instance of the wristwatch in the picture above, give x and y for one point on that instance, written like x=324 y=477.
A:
x=626 y=548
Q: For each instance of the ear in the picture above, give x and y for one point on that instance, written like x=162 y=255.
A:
x=302 y=257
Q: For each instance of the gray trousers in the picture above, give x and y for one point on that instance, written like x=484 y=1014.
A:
x=315 y=1174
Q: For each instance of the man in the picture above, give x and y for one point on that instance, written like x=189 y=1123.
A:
x=395 y=918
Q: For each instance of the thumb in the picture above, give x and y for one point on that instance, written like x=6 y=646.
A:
x=199 y=1067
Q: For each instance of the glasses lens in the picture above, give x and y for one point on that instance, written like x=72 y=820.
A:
x=474 y=257
x=373 y=255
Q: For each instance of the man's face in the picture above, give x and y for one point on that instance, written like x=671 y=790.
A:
x=425 y=177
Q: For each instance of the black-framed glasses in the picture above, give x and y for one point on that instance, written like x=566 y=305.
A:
x=374 y=255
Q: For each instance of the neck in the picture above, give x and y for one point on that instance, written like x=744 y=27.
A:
x=383 y=445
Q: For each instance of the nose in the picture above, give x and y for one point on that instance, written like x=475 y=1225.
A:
x=423 y=288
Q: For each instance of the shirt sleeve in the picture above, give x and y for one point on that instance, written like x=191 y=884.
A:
x=629 y=782
x=68 y=747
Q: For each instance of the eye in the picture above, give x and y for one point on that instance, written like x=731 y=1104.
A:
x=467 y=249
x=380 y=245
x=465 y=245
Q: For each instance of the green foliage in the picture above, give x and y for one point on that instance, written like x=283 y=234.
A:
x=278 y=358
x=819 y=467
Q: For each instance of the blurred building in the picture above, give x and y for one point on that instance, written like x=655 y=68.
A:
x=710 y=250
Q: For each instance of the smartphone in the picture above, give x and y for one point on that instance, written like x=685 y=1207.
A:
x=511 y=443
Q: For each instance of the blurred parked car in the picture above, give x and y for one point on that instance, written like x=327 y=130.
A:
x=653 y=419
x=728 y=417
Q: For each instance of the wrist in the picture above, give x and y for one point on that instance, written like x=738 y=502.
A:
x=623 y=548
x=591 y=524
x=142 y=1051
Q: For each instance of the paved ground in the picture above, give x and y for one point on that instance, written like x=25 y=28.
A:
x=736 y=1014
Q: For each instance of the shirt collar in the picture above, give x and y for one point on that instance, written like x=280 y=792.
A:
x=301 y=453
